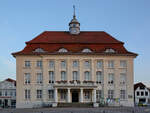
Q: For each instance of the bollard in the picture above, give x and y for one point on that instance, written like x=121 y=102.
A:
x=132 y=111
x=103 y=111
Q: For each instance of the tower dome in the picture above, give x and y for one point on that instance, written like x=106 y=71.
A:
x=74 y=25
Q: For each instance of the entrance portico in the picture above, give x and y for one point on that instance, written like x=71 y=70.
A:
x=74 y=94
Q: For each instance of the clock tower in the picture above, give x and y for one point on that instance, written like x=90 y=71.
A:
x=74 y=25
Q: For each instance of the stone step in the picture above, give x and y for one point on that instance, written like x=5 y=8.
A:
x=75 y=104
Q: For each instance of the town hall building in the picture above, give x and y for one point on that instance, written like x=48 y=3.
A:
x=74 y=66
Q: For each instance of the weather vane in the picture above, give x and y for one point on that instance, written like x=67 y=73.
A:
x=74 y=10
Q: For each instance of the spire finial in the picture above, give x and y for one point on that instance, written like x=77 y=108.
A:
x=74 y=15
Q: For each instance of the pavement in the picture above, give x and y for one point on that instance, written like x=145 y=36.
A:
x=80 y=110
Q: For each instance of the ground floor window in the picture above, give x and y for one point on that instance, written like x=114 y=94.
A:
x=63 y=94
x=110 y=94
x=27 y=94
x=50 y=94
x=87 y=95
x=122 y=94
x=98 y=95
x=39 y=94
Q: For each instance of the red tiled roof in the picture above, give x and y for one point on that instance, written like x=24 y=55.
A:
x=52 y=41
x=86 y=37
x=140 y=84
x=11 y=80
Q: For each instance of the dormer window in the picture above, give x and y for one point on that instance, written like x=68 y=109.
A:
x=86 y=50
x=62 y=50
x=110 y=50
x=39 y=50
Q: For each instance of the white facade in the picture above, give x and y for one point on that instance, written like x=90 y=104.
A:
x=7 y=94
x=142 y=95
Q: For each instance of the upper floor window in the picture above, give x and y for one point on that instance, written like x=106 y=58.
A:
x=142 y=93
x=86 y=50
x=51 y=64
x=51 y=76
x=75 y=64
x=27 y=64
x=111 y=64
x=63 y=75
x=122 y=78
x=63 y=64
x=62 y=50
x=110 y=50
x=110 y=78
x=110 y=94
x=87 y=64
x=0 y=93
x=137 y=93
x=98 y=76
x=39 y=50
x=27 y=94
x=27 y=78
x=6 y=93
x=99 y=64
x=87 y=76
x=75 y=75
x=146 y=93
x=39 y=63
x=123 y=63
x=39 y=78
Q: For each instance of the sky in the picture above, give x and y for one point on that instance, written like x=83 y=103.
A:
x=126 y=20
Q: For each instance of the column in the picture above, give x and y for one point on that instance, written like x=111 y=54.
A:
x=81 y=95
x=56 y=95
x=69 y=100
x=94 y=96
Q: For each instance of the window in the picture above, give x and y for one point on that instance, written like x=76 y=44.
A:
x=109 y=50
x=87 y=76
x=110 y=94
x=99 y=64
x=51 y=64
x=39 y=64
x=137 y=93
x=27 y=94
x=27 y=78
x=110 y=78
x=63 y=64
x=75 y=75
x=87 y=64
x=63 y=94
x=122 y=94
x=39 y=50
x=75 y=64
x=142 y=93
x=27 y=64
x=146 y=93
x=0 y=93
x=6 y=93
x=39 y=78
x=123 y=63
x=98 y=95
x=39 y=94
x=111 y=64
x=51 y=76
x=63 y=75
x=123 y=78
x=11 y=93
x=86 y=50
x=51 y=94
x=62 y=50
x=87 y=95
x=99 y=77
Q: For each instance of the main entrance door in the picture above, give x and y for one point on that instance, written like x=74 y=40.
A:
x=75 y=96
